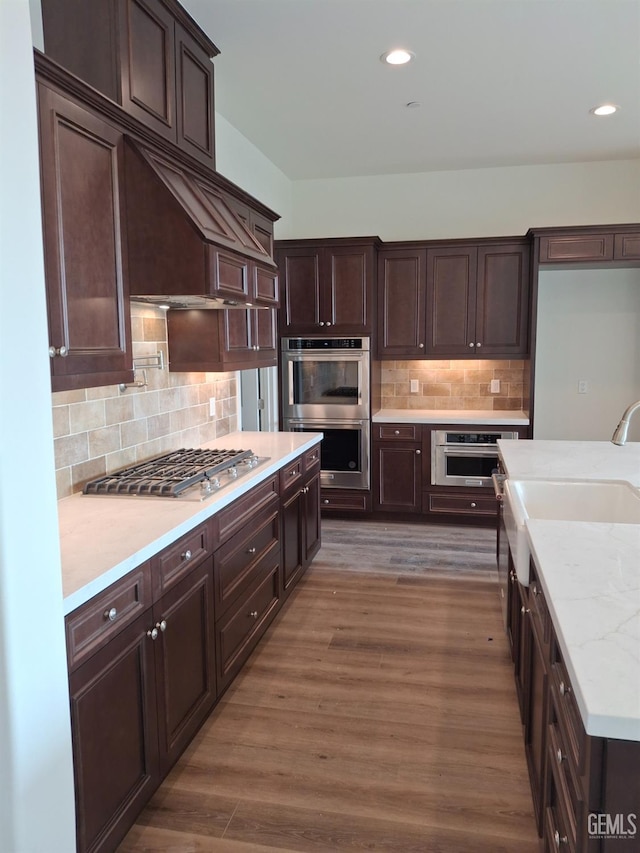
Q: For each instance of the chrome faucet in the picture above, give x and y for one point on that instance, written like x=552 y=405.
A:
x=620 y=434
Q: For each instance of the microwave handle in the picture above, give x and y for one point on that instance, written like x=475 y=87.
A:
x=469 y=450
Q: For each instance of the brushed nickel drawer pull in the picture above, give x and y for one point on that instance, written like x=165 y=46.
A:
x=253 y=614
x=162 y=625
x=187 y=554
x=111 y=614
x=251 y=550
x=153 y=633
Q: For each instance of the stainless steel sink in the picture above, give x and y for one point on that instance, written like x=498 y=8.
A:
x=603 y=501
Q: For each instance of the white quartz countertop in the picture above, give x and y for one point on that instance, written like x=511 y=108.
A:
x=450 y=416
x=590 y=574
x=102 y=537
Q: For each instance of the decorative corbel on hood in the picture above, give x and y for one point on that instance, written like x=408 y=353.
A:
x=186 y=247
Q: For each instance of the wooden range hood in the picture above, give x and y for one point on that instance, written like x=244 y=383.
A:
x=186 y=247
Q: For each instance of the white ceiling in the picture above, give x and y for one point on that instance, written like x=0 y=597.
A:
x=500 y=82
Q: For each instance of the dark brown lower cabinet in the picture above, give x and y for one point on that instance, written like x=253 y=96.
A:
x=185 y=661
x=585 y=789
x=137 y=703
x=114 y=719
x=397 y=468
x=300 y=525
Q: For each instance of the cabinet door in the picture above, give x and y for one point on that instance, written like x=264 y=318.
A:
x=535 y=717
x=312 y=530
x=293 y=520
x=346 y=289
x=115 y=736
x=85 y=255
x=185 y=658
x=264 y=335
x=300 y=277
x=451 y=302
x=576 y=248
x=148 y=64
x=237 y=341
x=401 y=303
x=502 y=301
x=399 y=477
x=194 y=98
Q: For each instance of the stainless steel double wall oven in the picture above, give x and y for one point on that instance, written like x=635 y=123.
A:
x=325 y=388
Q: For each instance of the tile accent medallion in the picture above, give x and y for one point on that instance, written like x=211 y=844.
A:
x=97 y=430
x=455 y=384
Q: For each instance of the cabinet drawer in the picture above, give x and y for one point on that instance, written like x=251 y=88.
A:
x=333 y=499
x=563 y=768
x=239 y=631
x=560 y=817
x=312 y=459
x=174 y=562
x=240 y=512
x=291 y=474
x=569 y=720
x=236 y=562
x=397 y=432
x=105 y=615
x=464 y=504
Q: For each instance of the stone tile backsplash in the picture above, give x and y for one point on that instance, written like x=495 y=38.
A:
x=454 y=384
x=98 y=430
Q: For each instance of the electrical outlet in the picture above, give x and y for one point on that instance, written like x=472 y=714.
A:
x=415 y=386
x=583 y=386
x=212 y=407
x=494 y=388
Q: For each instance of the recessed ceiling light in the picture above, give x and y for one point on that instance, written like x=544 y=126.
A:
x=400 y=56
x=604 y=110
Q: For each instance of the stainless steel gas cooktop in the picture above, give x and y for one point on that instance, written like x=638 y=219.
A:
x=177 y=473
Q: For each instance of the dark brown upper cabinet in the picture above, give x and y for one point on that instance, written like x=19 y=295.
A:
x=478 y=300
x=85 y=245
x=597 y=245
x=401 y=303
x=327 y=285
x=186 y=245
x=147 y=55
x=220 y=341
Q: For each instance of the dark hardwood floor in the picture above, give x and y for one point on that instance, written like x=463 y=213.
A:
x=378 y=713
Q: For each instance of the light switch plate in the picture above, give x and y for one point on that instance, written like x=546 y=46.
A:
x=415 y=386
x=495 y=386
x=212 y=407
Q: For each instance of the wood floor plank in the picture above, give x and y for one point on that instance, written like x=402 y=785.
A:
x=378 y=713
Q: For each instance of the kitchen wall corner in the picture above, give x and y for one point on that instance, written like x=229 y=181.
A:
x=98 y=430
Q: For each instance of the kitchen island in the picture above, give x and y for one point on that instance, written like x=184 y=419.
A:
x=575 y=634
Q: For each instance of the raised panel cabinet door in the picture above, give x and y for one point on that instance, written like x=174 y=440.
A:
x=300 y=279
x=312 y=529
x=238 y=345
x=115 y=736
x=185 y=656
x=535 y=717
x=85 y=254
x=293 y=513
x=451 y=302
x=399 y=478
x=502 y=301
x=576 y=248
x=148 y=64
x=264 y=333
x=346 y=289
x=194 y=98
x=401 y=303
x=626 y=247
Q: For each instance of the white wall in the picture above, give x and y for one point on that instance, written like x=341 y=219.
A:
x=471 y=203
x=36 y=776
x=588 y=328
x=244 y=164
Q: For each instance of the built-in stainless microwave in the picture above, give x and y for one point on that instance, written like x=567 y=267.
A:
x=465 y=457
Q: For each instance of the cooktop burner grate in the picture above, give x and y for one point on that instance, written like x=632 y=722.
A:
x=171 y=474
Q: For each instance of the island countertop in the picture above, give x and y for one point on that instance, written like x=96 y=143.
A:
x=590 y=574
x=102 y=537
